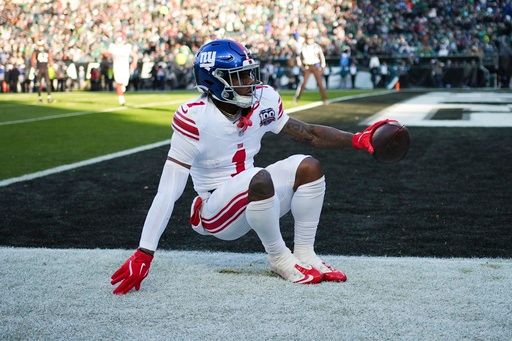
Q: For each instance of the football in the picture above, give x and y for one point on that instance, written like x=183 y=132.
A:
x=390 y=142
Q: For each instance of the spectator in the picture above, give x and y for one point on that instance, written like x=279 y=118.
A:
x=384 y=74
x=374 y=66
x=353 y=73
x=344 y=67
x=60 y=74
x=438 y=73
x=12 y=76
x=159 y=77
x=72 y=75
x=159 y=29
x=3 y=82
x=106 y=73
x=295 y=75
x=269 y=74
x=327 y=73
x=95 y=79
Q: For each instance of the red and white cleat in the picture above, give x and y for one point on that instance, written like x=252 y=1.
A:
x=290 y=268
x=329 y=273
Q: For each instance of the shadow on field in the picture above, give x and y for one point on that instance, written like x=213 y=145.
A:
x=13 y=110
x=450 y=197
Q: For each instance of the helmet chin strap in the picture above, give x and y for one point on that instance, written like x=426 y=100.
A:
x=243 y=101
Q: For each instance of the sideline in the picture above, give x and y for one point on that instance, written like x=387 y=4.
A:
x=62 y=294
x=126 y=152
x=81 y=113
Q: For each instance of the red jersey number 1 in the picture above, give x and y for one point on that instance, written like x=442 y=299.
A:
x=239 y=161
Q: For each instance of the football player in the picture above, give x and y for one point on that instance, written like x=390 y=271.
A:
x=40 y=61
x=215 y=140
x=121 y=51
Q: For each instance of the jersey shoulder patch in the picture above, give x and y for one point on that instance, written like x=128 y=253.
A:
x=270 y=95
x=184 y=121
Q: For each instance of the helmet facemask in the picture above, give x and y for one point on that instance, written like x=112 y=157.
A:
x=241 y=98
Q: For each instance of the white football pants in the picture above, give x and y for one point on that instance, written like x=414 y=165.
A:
x=223 y=212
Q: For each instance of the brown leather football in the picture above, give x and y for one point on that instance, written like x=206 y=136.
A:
x=391 y=142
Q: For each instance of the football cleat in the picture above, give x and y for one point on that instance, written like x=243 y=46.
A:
x=329 y=273
x=290 y=268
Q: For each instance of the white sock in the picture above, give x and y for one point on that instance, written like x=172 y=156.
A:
x=121 y=100
x=304 y=251
x=263 y=217
x=306 y=207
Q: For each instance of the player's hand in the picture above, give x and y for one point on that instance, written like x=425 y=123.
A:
x=363 y=140
x=132 y=272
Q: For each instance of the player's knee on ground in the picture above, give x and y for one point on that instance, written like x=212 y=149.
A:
x=261 y=186
x=309 y=170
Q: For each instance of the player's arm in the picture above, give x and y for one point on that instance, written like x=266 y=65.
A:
x=172 y=184
x=325 y=137
x=133 y=271
x=317 y=135
x=322 y=57
x=50 y=58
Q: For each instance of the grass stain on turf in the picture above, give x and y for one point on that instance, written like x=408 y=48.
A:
x=492 y=266
x=466 y=271
x=247 y=272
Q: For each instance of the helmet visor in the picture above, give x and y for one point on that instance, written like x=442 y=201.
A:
x=239 y=83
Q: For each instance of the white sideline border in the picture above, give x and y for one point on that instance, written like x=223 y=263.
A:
x=126 y=152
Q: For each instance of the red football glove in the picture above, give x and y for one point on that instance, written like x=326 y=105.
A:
x=132 y=272
x=363 y=140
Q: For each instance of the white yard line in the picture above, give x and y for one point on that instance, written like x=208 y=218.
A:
x=81 y=113
x=70 y=166
x=67 y=167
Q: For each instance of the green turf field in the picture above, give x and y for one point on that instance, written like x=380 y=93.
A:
x=81 y=125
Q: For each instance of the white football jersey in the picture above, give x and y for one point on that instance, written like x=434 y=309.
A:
x=120 y=54
x=214 y=146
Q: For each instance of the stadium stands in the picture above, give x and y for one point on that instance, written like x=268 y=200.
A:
x=168 y=32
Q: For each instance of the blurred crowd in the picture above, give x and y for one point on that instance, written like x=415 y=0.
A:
x=168 y=32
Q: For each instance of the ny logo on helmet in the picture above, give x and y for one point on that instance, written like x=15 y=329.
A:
x=207 y=59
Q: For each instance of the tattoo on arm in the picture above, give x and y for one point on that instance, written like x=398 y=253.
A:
x=298 y=130
x=317 y=135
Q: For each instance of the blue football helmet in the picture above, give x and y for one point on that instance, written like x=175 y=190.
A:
x=221 y=61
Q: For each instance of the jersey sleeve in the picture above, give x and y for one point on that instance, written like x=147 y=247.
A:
x=185 y=139
x=282 y=117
